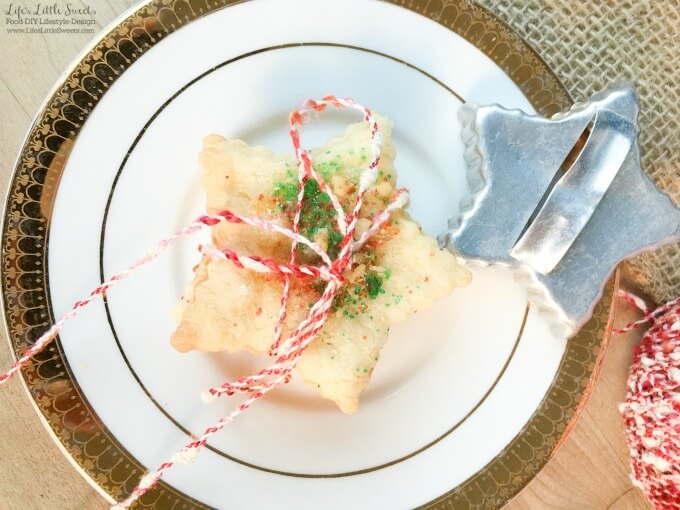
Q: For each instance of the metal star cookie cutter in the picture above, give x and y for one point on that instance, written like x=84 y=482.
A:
x=562 y=231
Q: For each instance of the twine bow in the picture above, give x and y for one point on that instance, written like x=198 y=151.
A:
x=286 y=352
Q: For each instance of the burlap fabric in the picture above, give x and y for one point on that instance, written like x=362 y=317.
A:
x=589 y=45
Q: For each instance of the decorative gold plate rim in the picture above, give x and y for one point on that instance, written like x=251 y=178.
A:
x=26 y=301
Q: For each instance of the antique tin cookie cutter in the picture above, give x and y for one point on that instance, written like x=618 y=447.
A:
x=562 y=230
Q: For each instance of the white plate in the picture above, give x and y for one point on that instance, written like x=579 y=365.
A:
x=455 y=384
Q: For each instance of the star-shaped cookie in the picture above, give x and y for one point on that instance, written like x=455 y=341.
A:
x=398 y=272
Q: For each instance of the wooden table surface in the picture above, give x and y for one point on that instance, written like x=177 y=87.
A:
x=589 y=472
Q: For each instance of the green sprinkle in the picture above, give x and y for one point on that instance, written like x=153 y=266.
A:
x=387 y=274
x=334 y=240
x=317 y=211
x=374 y=285
x=286 y=192
x=327 y=169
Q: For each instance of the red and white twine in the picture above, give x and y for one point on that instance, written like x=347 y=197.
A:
x=286 y=352
x=651 y=411
x=652 y=408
